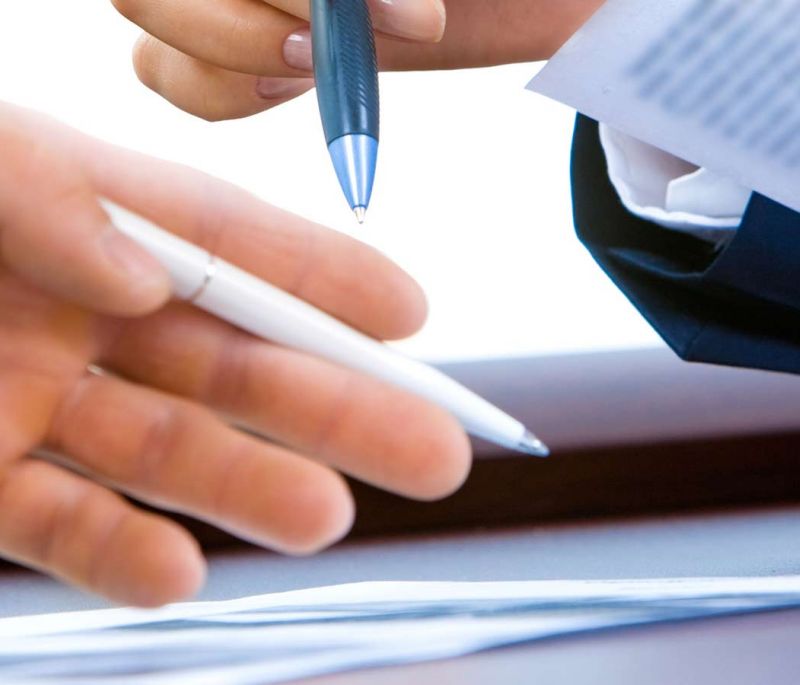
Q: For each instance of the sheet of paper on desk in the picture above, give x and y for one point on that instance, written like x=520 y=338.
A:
x=712 y=81
x=279 y=637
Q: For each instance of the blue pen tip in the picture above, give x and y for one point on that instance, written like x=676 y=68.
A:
x=354 y=158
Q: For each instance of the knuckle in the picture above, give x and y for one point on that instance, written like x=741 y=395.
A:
x=39 y=533
x=34 y=161
x=99 y=558
x=69 y=197
x=130 y=9
x=160 y=443
x=230 y=372
x=33 y=149
x=209 y=99
x=74 y=518
x=306 y=261
x=54 y=175
x=339 y=412
x=211 y=112
x=52 y=532
x=176 y=77
x=144 y=57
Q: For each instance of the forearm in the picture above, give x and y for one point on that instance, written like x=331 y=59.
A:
x=481 y=33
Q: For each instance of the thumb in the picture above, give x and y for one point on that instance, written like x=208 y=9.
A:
x=55 y=235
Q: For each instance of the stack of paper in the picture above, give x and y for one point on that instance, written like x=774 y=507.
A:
x=279 y=637
x=711 y=81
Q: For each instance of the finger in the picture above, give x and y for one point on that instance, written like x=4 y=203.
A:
x=54 y=521
x=368 y=429
x=208 y=91
x=78 y=531
x=342 y=276
x=240 y=35
x=416 y=20
x=178 y=456
x=249 y=37
x=478 y=34
x=483 y=34
x=54 y=234
x=45 y=346
x=29 y=391
x=216 y=93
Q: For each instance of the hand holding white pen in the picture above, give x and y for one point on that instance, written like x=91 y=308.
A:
x=270 y=313
x=74 y=292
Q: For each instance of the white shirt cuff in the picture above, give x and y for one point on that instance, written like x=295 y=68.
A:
x=668 y=191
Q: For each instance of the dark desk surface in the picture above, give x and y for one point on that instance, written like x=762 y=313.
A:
x=756 y=649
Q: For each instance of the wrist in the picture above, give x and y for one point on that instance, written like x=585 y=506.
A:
x=545 y=26
x=483 y=34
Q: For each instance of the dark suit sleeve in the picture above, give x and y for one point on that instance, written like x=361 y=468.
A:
x=739 y=305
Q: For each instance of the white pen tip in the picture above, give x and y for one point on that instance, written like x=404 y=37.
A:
x=530 y=444
x=361 y=213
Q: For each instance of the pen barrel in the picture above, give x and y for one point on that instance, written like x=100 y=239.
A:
x=345 y=68
x=272 y=314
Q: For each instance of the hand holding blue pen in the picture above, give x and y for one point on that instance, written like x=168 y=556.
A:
x=225 y=60
x=346 y=72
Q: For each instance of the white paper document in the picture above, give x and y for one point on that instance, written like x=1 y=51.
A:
x=715 y=82
x=285 y=636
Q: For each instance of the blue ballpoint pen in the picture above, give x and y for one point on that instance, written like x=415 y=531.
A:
x=346 y=72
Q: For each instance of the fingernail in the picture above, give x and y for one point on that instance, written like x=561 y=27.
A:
x=274 y=88
x=297 y=50
x=129 y=257
x=422 y=20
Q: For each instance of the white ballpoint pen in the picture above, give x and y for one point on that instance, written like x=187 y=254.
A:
x=268 y=312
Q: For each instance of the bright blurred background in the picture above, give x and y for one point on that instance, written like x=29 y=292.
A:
x=472 y=195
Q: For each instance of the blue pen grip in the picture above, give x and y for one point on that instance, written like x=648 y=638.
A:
x=345 y=68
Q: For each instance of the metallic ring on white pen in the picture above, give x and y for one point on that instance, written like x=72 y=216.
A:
x=208 y=276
